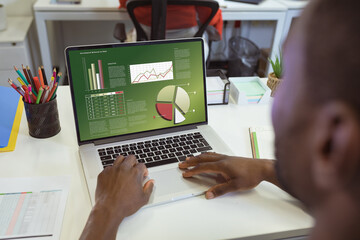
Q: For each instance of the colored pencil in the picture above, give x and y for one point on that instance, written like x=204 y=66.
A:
x=41 y=78
x=18 y=89
x=52 y=92
x=46 y=94
x=44 y=75
x=37 y=83
x=39 y=95
x=21 y=75
x=20 y=81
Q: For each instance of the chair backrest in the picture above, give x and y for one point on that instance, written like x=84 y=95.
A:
x=158 y=15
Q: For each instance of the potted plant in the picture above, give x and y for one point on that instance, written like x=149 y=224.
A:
x=275 y=78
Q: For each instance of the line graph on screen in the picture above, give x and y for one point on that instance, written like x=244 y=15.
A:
x=151 y=72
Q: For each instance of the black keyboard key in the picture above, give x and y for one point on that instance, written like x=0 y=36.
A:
x=143 y=156
x=103 y=158
x=157 y=153
x=146 y=150
x=196 y=141
x=179 y=149
x=138 y=151
x=149 y=159
x=102 y=154
x=193 y=146
x=164 y=156
x=125 y=145
x=186 y=147
x=165 y=151
x=186 y=152
x=188 y=142
x=175 y=145
x=108 y=162
x=198 y=136
x=192 y=151
x=153 y=149
x=117 y=150
x=181 y=158
x=148 y=145
x=178 y=154
x=131 y=153
x=101 y=150
x=176 y=140
x=204 y=149
x=110 y=152
x=115 y=155
x=171 y=155
x=161 y=147
x=182 y=143
x=147 y=142
x=132 y=148
x=182 y=139
x=169 y=142
x=172 y=150
x=141 y=160
x=150 y=154
x=200 y=145
x=158 y=163
x=155 y=144
x=155 y=140
x=168 y=146
x=156 y=158
x=132 y=144
x=140 y=143
x=125 y=149
x=141 y=146
x=109 y=148
x=162 y=143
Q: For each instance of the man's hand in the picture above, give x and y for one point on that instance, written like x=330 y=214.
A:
x=236 y=173
x=119 y=193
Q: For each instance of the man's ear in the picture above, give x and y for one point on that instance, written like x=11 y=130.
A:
x=335 y=144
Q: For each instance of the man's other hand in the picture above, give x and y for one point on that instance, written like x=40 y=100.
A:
x=120 y=187
x=235 y=173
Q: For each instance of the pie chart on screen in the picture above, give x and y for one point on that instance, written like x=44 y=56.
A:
x=173 y=103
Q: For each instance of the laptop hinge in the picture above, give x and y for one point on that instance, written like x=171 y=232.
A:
x=142 y=135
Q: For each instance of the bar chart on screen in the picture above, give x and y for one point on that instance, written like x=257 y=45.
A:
x=93 y=74
x=151 y=72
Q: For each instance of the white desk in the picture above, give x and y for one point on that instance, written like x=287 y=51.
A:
x=90 y=10
x=263 y=213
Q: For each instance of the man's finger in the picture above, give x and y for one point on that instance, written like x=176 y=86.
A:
x=205 y=157
x=130 y=161
x=211 y=167
x=148 y=188
x=220 y=189
x=119 y=160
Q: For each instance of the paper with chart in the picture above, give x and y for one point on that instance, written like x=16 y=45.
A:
x=32 y=208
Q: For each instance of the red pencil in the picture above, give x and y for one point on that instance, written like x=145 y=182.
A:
x=37 y=84
x=52 y=92
x=18 y=89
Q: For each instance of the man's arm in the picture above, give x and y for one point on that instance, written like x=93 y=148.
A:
x=236 y=173
x=119 y=193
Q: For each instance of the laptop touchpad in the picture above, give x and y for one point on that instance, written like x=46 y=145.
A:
x=170 y=186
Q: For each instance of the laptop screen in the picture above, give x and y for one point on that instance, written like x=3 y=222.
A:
x=122 y=89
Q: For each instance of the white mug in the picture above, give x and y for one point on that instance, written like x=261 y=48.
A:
x=3 y=23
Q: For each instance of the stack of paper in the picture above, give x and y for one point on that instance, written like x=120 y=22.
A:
x=215 y=88
x=32 y=208
x=11 y=108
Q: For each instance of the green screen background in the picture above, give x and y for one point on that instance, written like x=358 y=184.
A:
x=128 y=55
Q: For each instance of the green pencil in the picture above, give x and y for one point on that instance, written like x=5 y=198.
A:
x=39 y=95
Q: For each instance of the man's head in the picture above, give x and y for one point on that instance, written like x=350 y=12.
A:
x=316 y=112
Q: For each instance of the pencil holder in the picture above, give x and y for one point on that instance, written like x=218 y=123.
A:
x=43 y=119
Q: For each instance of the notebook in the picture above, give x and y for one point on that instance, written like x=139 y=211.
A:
x=147 y=99
x=9 y=102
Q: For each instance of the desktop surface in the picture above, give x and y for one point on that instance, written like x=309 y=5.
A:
x=263 y=213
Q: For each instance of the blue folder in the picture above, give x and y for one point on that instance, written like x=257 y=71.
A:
x=9 y=100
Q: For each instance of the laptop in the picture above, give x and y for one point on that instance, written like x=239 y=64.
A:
x=147 y=99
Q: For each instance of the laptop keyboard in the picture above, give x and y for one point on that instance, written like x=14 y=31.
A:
x=158 y=151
